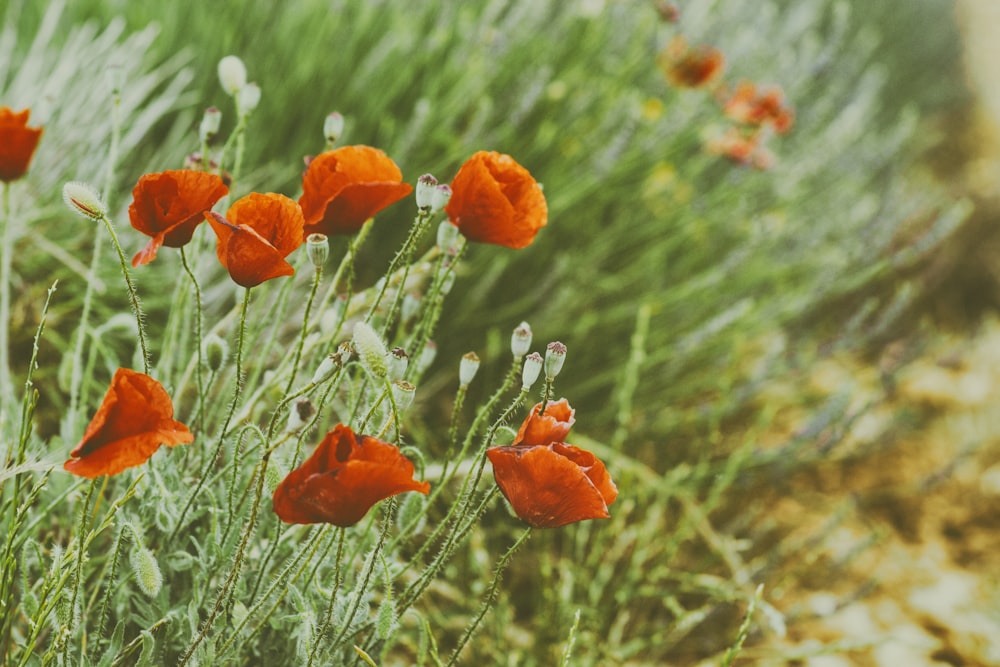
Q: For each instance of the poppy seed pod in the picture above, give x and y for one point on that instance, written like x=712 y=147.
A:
x=211 y=120
x=317 y=249
x=447 y=235
x=555 y=355
x=333 y=127
x=424 y=191
x=232 y=74
x=532 y=368
x=249 y=97
x=397 y=361
x=427 y=356
x=467 y=368
x=520 y=340
x=411 y=304
x=440 y=197
x=402 y=394
x=82 y=199
x=371 y=350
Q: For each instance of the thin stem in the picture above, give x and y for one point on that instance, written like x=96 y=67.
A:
x=402 y=257
x=328 y=616
x=490 y=595
x=133 y=295
x=198 y=375
x=317 y=276
x=6 y=259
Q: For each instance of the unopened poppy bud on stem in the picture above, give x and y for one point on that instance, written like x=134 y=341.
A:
x=249 y=97
x=467 y=368
x=424 y=191
x=232 y=74
x=216 y=350
x=532 y=369
x=447 y=235
x=370 y=349
x=555 y=355
x=82 y=199
x=302 y=411
x=326 y=367
x=397 y=362
x=333 y=127
x=317 y=249
x=520 y=340
x=210 y=123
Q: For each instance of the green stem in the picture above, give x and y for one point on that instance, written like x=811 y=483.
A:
x=403 y=257
x=328 y=616
x=198 y=375
x=490 y=595
x=317 y=276
x=6 y=259
x=133 y=295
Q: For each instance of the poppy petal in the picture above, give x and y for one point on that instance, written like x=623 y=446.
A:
x=17 y=143
x=553 y=426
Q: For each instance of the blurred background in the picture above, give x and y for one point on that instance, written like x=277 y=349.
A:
x=790 y=371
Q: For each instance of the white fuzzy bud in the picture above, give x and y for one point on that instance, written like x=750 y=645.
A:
x=447 y=235
x=333 y=127
x=232 y=74
x=82 y=199
x=370 y=349
x=146 y=570
x=249 y=97
x=211 y=120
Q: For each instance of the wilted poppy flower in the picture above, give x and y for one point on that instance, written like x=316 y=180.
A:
x=256 y=235
x=749 y=107
x=342 y=188
x=343 y=479
x=169 y=205
x=135 y=418
x=496 y=200
x=690 y=66
x=547 y=482
x=17 y=143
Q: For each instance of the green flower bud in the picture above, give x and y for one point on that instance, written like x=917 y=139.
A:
x=232 y=74
x=215 y=351
x=370 y=349
x=82 y=199
x=386 y=622
x=146 y=570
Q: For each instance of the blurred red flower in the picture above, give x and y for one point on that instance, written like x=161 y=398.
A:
x=342 y=188
x=547 y=482
x=256 y=235
x=343 y=479
x=690 y=66
x=17 y=143
x=135 y=418
x=496 y=200
x=750 y=107
x=742 y=147
x=169 y=205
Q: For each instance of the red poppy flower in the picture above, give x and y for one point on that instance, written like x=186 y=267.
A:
x=256 y=235
x=690 y=66
x=135 y=418
x=749 y=107
x=547 y=482
x=17 y=143
x=496 y=200
x=342 y=188
x=169 y=205
x=742 y=147
x=343 y=479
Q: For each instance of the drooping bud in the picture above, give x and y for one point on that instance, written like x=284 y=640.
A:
x=532 y=368
x=146 y=570
x=215 y=351
x=555 y=355
x=386 y=622
x=249 y=97
x=302 y=411
x=447 y=235
x=370 y=349
x=467 y=368
x=440 y=197
x=402 y=394
x=425 y=191
x=397 y=361
x=82 y=199
x=327 y=366
x=317 y=249
x=333 y=127
x=210 y=123
x=520 y=340
x=232 y=74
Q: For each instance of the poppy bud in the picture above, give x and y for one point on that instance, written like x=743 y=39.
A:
x=520 y=340
x=116 y=78
x=447 y=282
x=555 y=355
x=216 y=350
x=397 y=361
x=249 y=97
x=385 y=619
x=210 y=123
x=532 y=368
x=427 y=356
x=273 y=476
x=447 y=235
x=317 y=249
x=467 y=368
x=402 y=394
x=82 y=199
x=440 y=197
x=425 y=191
x=147 y=571
x=370 y=349
x=412 y=509
x=345 y=352
x=330 y=362
x=411 y=304
x=232 y=74
x=333 y=127
x=302 y=411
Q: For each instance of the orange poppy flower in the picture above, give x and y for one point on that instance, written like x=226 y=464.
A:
x=496 y=200
x=256 y=235
x=17 y=143
x=742 y=147
x=343 y=479
x=342 y=188
x=749 y=107
x=690 y=66
x=169 y=205
x=135 y=418
x=547 y=482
